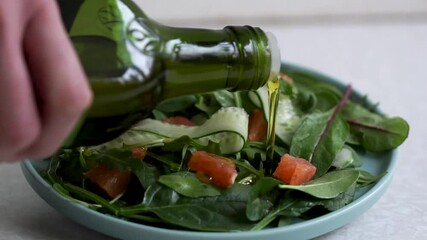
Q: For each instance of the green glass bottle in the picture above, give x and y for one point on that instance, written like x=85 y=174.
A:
x=133 y=63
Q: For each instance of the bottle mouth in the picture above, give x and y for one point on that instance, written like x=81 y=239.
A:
x=275 y=56
x=258 y=60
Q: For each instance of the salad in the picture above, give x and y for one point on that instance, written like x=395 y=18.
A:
x=199 y=162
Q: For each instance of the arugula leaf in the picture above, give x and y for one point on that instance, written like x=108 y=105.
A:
x=115 y=157
x=178 y=144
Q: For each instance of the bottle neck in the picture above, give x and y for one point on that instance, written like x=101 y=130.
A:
x=234 y=58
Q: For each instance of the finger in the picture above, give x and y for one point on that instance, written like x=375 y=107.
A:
x=19 y=119
x=61 y=87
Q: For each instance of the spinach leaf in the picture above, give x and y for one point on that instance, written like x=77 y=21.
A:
x=293 y=204
x=176 y=104
x=147 y=174
x=158 y=115
x=306 y=101
x=329 y=185
x=260 y=201
x=225 y=98
x=384 y=135
x=207 y=104
x=305 y=203
x=366 y=178
x=341 y=200
x=187 y=184
x=319 y=95
x=374 y=131
x=318 y=139
x=286 y=202
x=225 y=212
x=347 y=157
x=321 y=136
x=325 y=99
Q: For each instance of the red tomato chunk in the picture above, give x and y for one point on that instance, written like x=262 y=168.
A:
x=218 y=170
x=294 y=171
x=139 y=152
x=178 y=120
x=257 y=126
x=111 y=180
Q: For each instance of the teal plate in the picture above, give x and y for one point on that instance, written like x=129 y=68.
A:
x=305 y=229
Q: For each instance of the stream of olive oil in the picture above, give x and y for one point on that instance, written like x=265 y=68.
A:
x=273 y=86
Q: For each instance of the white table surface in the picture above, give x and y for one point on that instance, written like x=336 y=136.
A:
x=385 y=60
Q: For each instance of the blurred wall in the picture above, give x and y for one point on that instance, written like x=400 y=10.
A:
x=201 y=12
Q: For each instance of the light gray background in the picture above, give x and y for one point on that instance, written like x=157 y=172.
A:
x=378 y=46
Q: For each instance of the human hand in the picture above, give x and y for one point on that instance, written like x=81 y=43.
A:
x=43 y=89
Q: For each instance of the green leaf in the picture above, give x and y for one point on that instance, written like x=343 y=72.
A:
x=260 y=201
x=346 y=157
x=254 y=150
x=341 y=200
x=176 y=145
x=188 y=185
x=207 y=103
x=329 y=185
x=294 y=203
x=323 y=96
x=226 y=212
x=382 y=136
x=225 y=98
x=319 y=138
x=286 y=202
x=374 y=131
x=305 y=203
x=147 y=174
x=306 y=101
x=176 y=104
x=366 y=178
x=119 y=158
x=158 y=115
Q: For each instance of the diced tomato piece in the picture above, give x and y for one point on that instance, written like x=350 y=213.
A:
x=178 y=120
x=111 y=180
x=257 y=126
x=139 y=152
x=218 y=170
x=286 y=78
x=294 y=171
